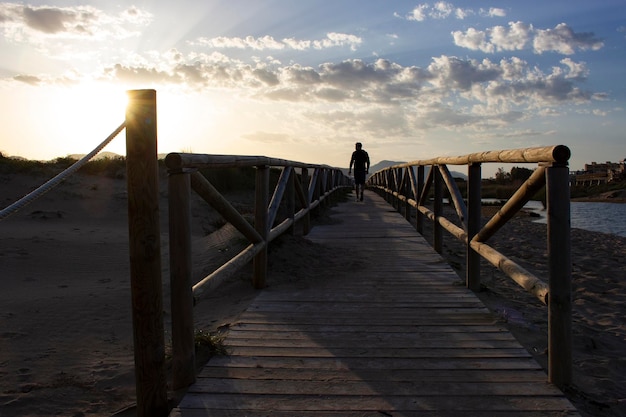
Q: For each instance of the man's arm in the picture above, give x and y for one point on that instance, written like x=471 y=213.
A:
x=367 y=167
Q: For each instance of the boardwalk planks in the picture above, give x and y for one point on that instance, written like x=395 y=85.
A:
x=401 y=338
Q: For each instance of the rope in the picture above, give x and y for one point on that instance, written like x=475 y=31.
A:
x=34 y=195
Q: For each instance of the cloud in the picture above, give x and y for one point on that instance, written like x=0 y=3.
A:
x=451 y=73
x=449 y=93
x=28 y=79
x=564 y=40
x=332 y=40
x=478 y=86
x=493 y=12
x=50 y=20
x=445 y=10
x=519 y=36
x=141 y=74
x=21 y=23
x=338 y=39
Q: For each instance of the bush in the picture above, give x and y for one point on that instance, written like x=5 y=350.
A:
x=21 y=166
x=111 y=167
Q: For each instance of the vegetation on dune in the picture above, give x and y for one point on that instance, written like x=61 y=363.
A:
x=594 y=190
x=111 y=167
x=25 y=166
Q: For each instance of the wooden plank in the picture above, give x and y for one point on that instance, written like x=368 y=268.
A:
x=374 y=306
x=366 y=328
x=376 y=352
x=380 y=344
x=400 y=337
x=452 y=319
x=444 y=402
x=359 y=335
x=392 y=375
x=371 y=388
x=381 y=364
x=377 y=413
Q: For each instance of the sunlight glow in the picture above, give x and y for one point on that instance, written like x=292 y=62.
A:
x=86 y=114
x=185 y=122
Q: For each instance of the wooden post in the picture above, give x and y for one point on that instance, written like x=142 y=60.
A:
x=560 y=269
x=145 y=253
x=315 y=189
x=388 y=198
x=397 y=187
x=438 y=210
x=325 y=175
x=291 y=200
x=261 y=201
x=306 y=220
x=419 y=216
x=474 y=208
x=406 y=191
x=183 y=349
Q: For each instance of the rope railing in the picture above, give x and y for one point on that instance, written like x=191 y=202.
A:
x=59 y=178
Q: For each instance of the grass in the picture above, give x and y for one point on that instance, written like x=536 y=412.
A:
x=207 y=345
x=209 y=342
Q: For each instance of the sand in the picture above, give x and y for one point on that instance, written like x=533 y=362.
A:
x=65 y=323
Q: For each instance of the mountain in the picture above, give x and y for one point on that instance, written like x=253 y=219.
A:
x=382 y=165
x=101 y=155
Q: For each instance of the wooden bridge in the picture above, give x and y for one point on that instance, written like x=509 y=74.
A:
x=394 y=333
x=398 y=336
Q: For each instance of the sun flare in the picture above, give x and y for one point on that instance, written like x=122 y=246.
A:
x=88 y=113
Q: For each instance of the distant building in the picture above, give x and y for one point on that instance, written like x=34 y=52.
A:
x=596 y=174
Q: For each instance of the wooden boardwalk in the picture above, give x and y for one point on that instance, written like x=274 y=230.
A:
x=400 y=338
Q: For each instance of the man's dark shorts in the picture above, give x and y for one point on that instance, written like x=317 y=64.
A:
x=359 y=177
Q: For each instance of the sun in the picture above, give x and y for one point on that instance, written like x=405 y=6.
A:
x=87 y=113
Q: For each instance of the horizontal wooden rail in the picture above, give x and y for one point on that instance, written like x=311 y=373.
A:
x=556 y=153
x=405 y=187
x=310 y=190
x=176 y=161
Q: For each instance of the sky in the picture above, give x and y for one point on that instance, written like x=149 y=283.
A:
x=305 y=80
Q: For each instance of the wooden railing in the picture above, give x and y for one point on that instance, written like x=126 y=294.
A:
x=308 y=184
x=310 y=190
x=406 y=187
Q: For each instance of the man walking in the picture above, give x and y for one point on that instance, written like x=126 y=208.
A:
x=361 y=161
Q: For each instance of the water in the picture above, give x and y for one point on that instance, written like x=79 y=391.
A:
x=597 y=217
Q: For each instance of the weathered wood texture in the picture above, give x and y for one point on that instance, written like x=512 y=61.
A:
x=403 y=337
x=145 y=253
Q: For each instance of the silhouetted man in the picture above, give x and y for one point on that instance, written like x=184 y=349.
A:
x=361 y=161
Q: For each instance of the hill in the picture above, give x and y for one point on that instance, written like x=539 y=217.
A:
x=101 y=155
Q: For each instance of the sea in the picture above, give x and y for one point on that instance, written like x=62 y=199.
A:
x=596 y=217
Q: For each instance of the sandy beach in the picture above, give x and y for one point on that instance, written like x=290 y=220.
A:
x=65 y=322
